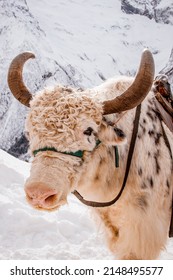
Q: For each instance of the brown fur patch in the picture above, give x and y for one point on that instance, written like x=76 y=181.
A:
x=142 y=202
x=144 y=185
x=143 y=128
x=157 y=138
x=150 y=116
x=97 y=177
x=112 y=228
x=140 y=171
x=151 y=132
x=156 y=155
x=102 y=160
x=168 y=184
x=150 y=180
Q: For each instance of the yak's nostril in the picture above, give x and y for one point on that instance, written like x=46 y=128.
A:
x=41 y=195
x=42 y=201
x=50 y=199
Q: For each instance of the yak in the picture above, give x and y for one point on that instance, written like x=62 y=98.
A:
x=109 y=147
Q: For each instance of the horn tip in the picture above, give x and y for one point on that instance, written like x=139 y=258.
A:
x=29 y=54
x=147 y=51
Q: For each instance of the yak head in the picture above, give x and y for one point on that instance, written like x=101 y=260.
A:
x=64 y=128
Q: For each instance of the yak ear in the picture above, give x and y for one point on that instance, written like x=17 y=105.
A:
x=111 y=136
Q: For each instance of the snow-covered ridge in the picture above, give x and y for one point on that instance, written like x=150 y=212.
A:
x=15 y=16
x=159 y=10
x=78 y=43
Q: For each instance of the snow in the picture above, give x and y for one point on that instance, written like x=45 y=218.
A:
x=99 y=31
x=25 y=233
x=164 y=4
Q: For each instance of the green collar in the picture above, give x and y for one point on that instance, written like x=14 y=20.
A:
x=78 y=153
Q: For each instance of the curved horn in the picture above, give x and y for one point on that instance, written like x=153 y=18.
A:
x=15 y=80
x=135 y=94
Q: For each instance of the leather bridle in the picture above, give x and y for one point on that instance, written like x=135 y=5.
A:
x=128 y=164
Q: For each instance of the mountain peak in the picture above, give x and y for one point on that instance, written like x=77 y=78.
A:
x=159 y=10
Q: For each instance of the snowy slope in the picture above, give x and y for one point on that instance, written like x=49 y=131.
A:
x=97 y=36
x=76 y=42
x=15 y=16
x=25 y=233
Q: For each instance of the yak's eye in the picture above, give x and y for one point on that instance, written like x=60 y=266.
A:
x=88 y=131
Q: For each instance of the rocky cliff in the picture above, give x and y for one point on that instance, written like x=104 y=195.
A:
x=159 y=10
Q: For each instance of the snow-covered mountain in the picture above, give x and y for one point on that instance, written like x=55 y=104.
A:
x=168 y=69
x=78 y=43
x=159 y=10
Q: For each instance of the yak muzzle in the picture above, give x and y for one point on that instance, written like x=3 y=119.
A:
x=41 y=196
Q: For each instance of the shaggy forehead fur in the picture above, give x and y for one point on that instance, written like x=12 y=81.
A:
x=60 y=110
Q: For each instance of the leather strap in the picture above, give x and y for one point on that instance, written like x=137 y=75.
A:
x=166 y=116
x=128 y=164
x=171 y=223
x=167 y=106
x=168 y=120
x=171 y=156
